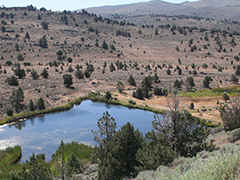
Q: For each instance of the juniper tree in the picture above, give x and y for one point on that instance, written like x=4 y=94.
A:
x=183 y=132
x=230 y=114
x=206 y=81
x=189 y=83
x=40 y=103
x=67 y=80
x=120 y=86
x=34 y=74
x=17 y=96
x=31 y=105
x=79 y=74
x=44 y=73
x=106 y=130
x=131 y=80
x=19 y=72
x=120 y=159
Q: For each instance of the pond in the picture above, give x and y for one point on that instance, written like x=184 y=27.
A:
x=43 y=134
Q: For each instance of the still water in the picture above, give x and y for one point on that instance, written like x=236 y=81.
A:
x=43 y=134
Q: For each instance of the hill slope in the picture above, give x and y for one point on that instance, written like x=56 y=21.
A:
x=216 y=9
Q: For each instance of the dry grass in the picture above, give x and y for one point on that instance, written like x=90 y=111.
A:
x=159 y=49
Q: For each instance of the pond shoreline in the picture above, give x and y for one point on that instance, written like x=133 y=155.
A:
x=69 y=105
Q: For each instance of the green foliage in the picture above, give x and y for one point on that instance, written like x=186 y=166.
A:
x=87 y=74
x=131 y=80
x=225 y=96
x=138 y=93
x=123 y=33
x=40 y=104
x=9 y=112
x=157 y=91
x=31 y=105
x=34 y=74
x=20 y=57
x=17 y=47
x=108 y=95
x=67 y=79
x=191 y=106
x=120 y=159
x=178 y=84
x=206 y=81
x=74 y=166
x=44 y=25
x=44 y=73
x=70 y=69
x=120 y=86
x=112 y=67
x=189 y=83
x=90 y=68
x=147 y=81
x=104 y=45
x=183 y=132
x=234 y=78
x=8 y=63
x=3 y=29
x=79 y=74
x=27 y=36
x=43 y=42
x=219 y=164
x=154 y=152
x=17 y=96
x=107 y=128
x=91 y=29
x=69 y=59
x=19 y=72
x=168 y=71
x=12 y=81
x=27 y=64
x=230 y=114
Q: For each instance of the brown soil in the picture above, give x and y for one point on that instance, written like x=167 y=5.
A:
x=145 y=49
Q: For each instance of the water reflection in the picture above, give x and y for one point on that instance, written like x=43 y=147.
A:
x=18 y=125
x=43 y=134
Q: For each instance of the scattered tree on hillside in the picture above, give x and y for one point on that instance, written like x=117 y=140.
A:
x=44 y=73
x=44 y=25
x=120 y=86
x=19 y=72
x=43 y=42
x=189 y=83
x=168 y=71
x=12 y=81
x=17 y=47
x=131 y=80
x=178 y=84
x=108 y=95
x=17 y=96
x=104 y=45
x=234 y=78
x=67 y=80
x=79 y=74
x=147 y=81
x=206 y=81
x=112 y=67
x=20 y=57
x=40 y=103
x=31 y=105
x=34 y=74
